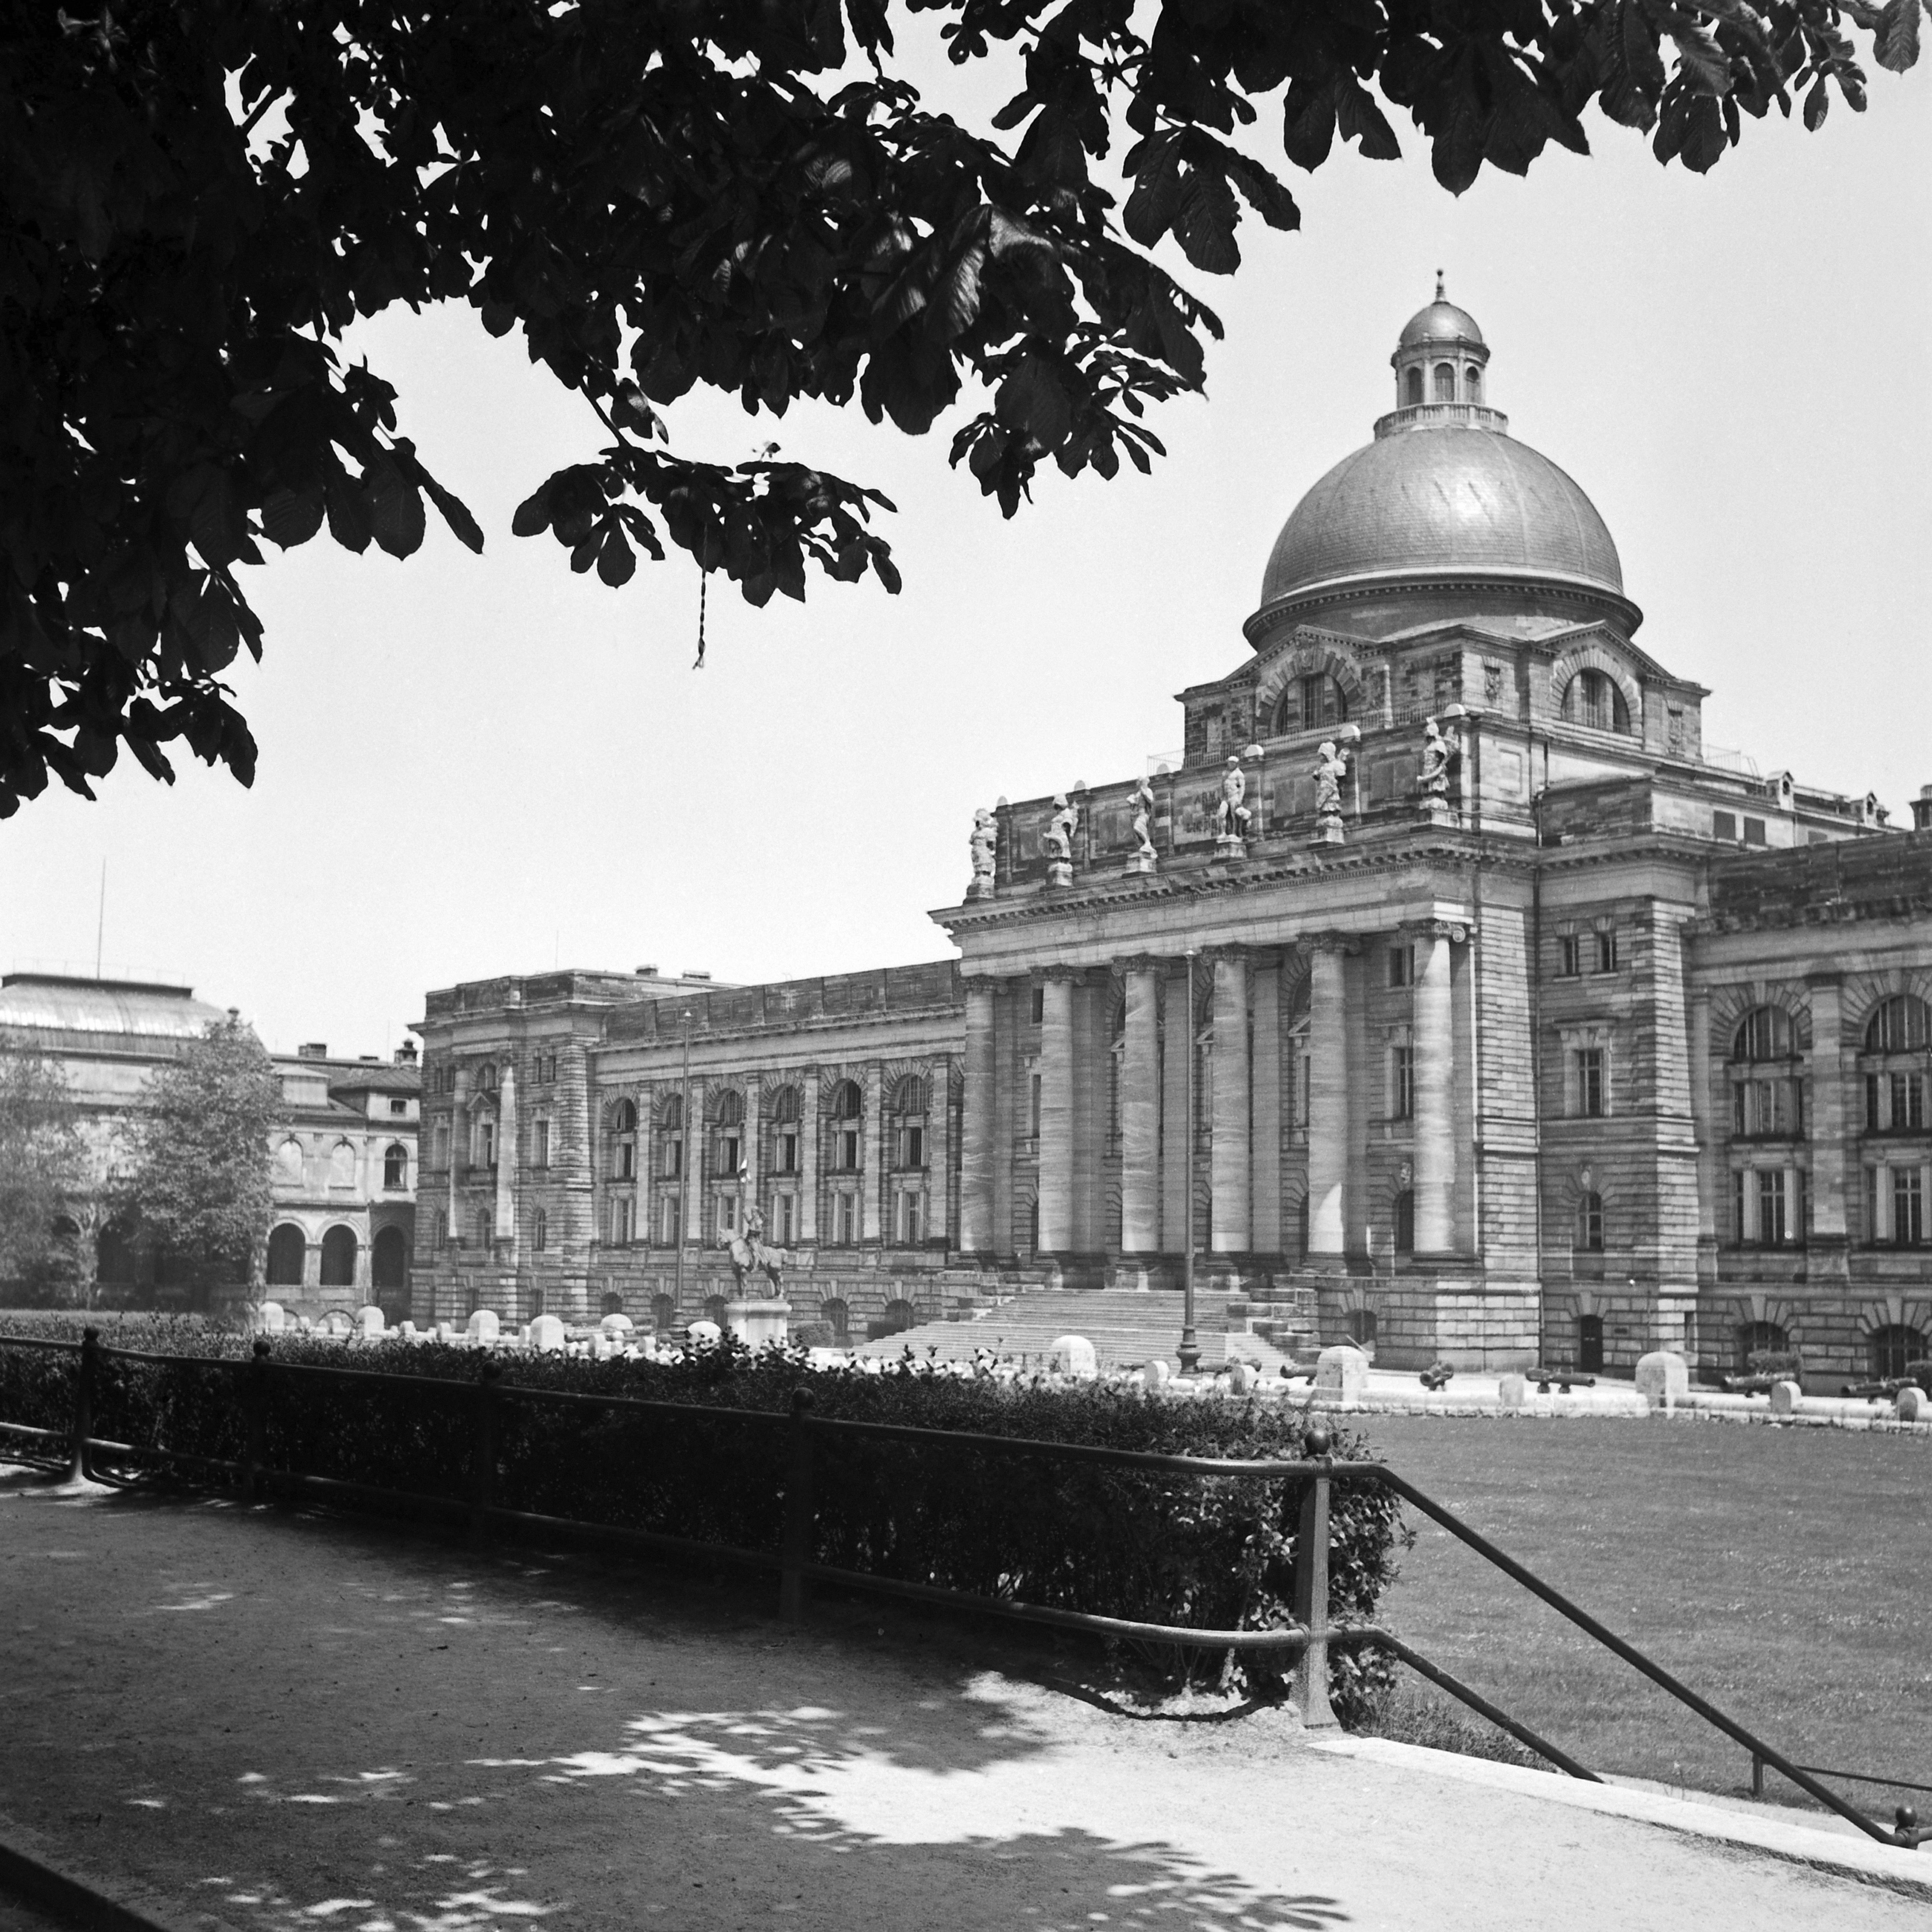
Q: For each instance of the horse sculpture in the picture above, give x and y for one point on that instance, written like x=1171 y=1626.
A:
x=747 y=1251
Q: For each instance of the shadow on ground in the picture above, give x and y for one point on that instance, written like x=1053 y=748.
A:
x=283 y=1719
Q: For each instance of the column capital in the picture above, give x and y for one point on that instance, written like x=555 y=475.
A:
x=1140 y=962
x=1458 y=931
x=1347 y=942
x=1072 y=975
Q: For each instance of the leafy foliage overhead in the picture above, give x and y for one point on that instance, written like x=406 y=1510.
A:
x=197 y=197
x=43 y=1164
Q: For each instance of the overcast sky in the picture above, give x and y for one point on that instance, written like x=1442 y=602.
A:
x=471 y=767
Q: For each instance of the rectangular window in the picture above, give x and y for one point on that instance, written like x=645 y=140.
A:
x=1771 y=1225
x=1740 y=1222
x=1753 y=831
x=912 y=1147
x=787 y=1150
x=1304 y=1064
x=728 y=1162
x=1606 y=952
x=1590 y=1224
x=620 y=1219
x=1402 y=1082
x=667 y=1221
x=906 y=1220
x=1590 y=1081
x=540 y=1153
x=728 y=1213
x=1908 y=1207
x=1569 y=955
x=443 y=1143
x=624 y=1163
x=1034 y=1129
x=671 y=1164
x=848 y=1149
x=486 y=1143
x=1039 y=1005
x=785 y=1218
x=1724 y=825
x=1402 y=965
x=845 y=1219
x=399 y=1106
x=1908 y=1103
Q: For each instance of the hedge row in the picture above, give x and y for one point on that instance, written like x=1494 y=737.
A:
x=1181 y=1550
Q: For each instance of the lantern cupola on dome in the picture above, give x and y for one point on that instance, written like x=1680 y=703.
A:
x=1440 y=362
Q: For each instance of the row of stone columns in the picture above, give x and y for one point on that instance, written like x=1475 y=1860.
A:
x=1246 y=1109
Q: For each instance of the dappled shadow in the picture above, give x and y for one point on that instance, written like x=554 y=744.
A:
x=294 y=1720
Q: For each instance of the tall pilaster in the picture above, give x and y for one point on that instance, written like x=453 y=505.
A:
x=809 y=1132
x=690 y=1185
x=1176 y=1130
x=1328 y=1137
x=1434 y=1073
x=459 y=1153
x=1140 y=1112
x=1266 y=1115
x=1229 y=1153
x=1056 y=1114
x=1826 y=1126
x=942 y=1205
x=1702 y=1128
x=872 y=1191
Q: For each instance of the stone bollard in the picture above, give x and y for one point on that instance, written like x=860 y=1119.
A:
x=1241 y=1378
x=1663 y=1378
x=1154 y=1376
x=271 y=1318
x=1341 y=1371
x=1513 y=1391
x=1785 y=1397
x=1914 y=1405
x=483 y=1326
x=546 y=1335
x=445 y=1332
x=369 y=1326
x=705 y=1334
x=615 y=1324
x=1073 y=1355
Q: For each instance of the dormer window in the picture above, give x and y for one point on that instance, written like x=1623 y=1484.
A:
x=1316 y=703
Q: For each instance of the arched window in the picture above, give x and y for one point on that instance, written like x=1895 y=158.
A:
x=728 y=1146
x=1316 y=703
x=1590 y=1344
x=1893 y=1349
x=664 y=1313
x=342 y=1164
x=540 y=1231
x=784 y=1131
x=1404 y=1222
x=338 y=1258
x=1757 y=1339
x=613 y=1304
x=1588 y=1237
x=1898 y=1025
x=909 y=1103
x=1595 y=699
x=1472 y=382
x=897 y=1317
x=671 y=1137
x=1412 y=393
x=287 y=1247
x=1763 y=1033
x=289 y=1162
x=837 y=1318
x=1445 y=382
x=847 y=1111
x=714 y=1309
x=624 y=1140
x=396 y=1166
x=440 y=1230
x=1361 y=1326
x=388 y=1261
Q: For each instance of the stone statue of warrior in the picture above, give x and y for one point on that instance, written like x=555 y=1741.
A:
x=1331 y=765
x=1438 y=747
x=1142 y=802
x=747 y=1249
x=1058 y=838
x=1231 y=815
x=985 y=846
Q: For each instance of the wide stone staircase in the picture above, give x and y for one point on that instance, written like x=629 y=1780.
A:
x=1127 y=1327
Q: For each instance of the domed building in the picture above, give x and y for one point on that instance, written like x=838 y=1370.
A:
x=1445 y=995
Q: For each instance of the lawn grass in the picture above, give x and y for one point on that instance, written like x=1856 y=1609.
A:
x=1784 y=1574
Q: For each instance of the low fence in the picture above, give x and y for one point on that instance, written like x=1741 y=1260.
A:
x=265 y=1443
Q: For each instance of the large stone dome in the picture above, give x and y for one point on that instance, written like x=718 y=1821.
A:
x=1444 y=492
x=1442 y=500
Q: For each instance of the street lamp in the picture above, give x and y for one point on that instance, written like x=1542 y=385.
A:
x=683 y=1169
x=1190 y=1350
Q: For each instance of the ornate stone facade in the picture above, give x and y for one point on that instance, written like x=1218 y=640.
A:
x=1468 y=961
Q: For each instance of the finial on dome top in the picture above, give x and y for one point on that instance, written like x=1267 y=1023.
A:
x=1441 y=292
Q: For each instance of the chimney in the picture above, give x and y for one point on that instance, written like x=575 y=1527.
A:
x=647 y=972
x=313 y=1049
x=692 y=973
x=406 y=1053
x=1922 y=810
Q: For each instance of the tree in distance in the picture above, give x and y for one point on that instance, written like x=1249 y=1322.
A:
x=45 y=1179
x=197 y=197
x=198 y=1183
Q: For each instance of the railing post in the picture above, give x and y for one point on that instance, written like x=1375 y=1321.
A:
x=1311 y=1591
x=1757 y=1775
x=255 y=1419
x=83 y=1404
x=483 y=1454
x=795 y=1553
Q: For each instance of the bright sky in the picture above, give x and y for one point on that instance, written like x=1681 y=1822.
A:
x=471 y=767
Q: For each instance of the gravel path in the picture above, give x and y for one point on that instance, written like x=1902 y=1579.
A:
x=279 y=1720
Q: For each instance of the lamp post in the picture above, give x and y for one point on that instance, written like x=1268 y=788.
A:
x=683 y=1169
x=1190 y=1350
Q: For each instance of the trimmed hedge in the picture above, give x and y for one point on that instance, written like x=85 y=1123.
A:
x=1215 y=1553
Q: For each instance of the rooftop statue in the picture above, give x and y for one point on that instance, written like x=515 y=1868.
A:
x=1056 y=841
x=1438 y=747
x=986 y=847
x=1231 y=817
x=1143 y=803
x=1331 y=766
